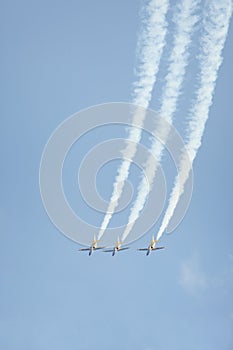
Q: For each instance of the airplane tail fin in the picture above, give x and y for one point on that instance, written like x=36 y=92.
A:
x=153 y=240
x=118 y=241
x=95 y=240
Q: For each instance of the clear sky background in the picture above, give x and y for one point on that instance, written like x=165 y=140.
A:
x=57 y=58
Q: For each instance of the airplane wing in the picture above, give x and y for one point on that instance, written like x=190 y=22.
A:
x=124 y=248
x=158 y=248
x=108 y=250
x=142 y=249
x=97 y=248
x=83 y=249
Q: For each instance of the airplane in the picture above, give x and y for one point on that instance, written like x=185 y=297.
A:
x=116 y=249
x=152 y=246
x=92 y=247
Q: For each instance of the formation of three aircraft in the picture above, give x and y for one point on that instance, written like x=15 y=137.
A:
x=118 y=247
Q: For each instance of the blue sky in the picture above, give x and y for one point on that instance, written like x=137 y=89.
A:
x=58 y=58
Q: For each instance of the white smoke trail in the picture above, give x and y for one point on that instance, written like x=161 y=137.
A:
x=185 y=20
x=150 y=48
x=216 y=23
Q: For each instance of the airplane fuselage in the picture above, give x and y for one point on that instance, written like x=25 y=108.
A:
x=150 y=248
x=115 y=250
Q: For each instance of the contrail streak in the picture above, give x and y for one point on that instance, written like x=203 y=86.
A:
x=216 y=23
x=185 y=20
x=150 y=48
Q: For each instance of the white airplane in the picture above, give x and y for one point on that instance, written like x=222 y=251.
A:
x=116 y=249
x=152 y=246
x=92 y=247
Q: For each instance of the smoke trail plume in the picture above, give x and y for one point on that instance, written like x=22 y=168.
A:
x=216 y=22
x=150 y=47
x=185 y=20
